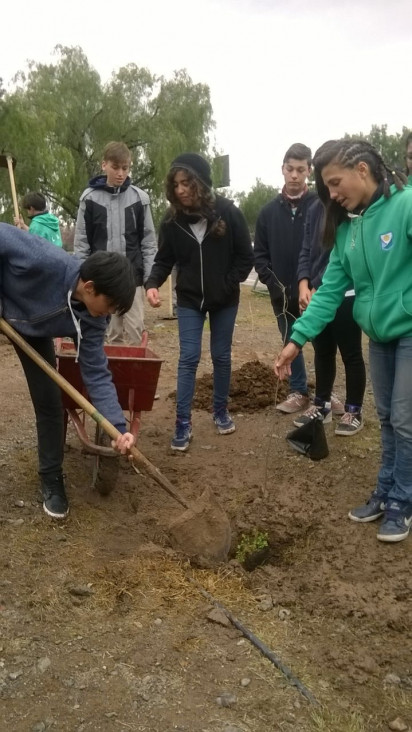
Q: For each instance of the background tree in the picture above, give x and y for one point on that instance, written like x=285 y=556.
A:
x=391 y=147
x=251 y=203
x=58 y=118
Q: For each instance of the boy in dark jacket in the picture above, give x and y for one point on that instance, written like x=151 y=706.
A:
x=115 y=216
x=278 y=240
x=46 y=293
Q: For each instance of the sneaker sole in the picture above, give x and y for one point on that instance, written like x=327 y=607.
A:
x=348 y=434
x=366 y=520
x=392 y=538
x=229 y=431
x=55 y=515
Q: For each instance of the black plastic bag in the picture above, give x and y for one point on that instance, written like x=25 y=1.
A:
x=310 y=440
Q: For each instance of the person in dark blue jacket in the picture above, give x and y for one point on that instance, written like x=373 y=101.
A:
x=343 y=333
x=46 y=293
x=278 y=241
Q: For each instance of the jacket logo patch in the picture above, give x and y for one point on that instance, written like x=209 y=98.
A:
x=386 y=241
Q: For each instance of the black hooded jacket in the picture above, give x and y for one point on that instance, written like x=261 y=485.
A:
x=208 y=273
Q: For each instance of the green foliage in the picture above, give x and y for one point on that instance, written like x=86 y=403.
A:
x=251 y=543
x=58 y=118
x=251 y=203
x=391 y=147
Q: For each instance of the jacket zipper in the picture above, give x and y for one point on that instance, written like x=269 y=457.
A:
x=201 y=259
x=367 y=269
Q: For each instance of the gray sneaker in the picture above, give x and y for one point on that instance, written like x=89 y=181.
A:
x=371 y=510
x=396 y=521
x=350 y=424
x=295 y=402
x=314 y=412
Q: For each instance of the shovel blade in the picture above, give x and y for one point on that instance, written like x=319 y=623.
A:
x=202 y=532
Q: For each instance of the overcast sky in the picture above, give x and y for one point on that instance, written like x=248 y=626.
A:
x=279 y=71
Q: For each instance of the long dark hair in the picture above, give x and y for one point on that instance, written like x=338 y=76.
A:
x=205 y=207
x=348 y=153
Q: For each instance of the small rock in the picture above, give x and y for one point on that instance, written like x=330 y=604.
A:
x=43 y=664
x=265 y=604
x=19 y=504
x=111 y=715
x=15 y=522
x=38 y=727
x=392 y=679
x=15 y=675
x=245 y=682
x=398 y=725
x=226 y=700
x=158 y=621
x=219 y=617
x=206 y=447
x=81 y=590
x=283 y=613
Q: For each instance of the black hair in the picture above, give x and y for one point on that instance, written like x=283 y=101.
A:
x=298 y=151
x=348 y=153
x=112 y=275
x=35 y=200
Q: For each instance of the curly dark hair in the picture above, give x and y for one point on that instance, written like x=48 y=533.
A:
x=206 y=198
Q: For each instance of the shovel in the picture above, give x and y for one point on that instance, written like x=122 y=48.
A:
x=8 y=161
x=202 y=531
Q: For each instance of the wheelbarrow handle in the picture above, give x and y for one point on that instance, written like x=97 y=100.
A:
x=84 y=404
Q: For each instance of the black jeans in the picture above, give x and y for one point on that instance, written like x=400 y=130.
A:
x=48 y=408
x=345 y=334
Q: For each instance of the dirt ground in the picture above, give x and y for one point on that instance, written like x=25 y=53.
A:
x=102 y=626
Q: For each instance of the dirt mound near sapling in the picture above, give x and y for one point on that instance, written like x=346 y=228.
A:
x=253 y=387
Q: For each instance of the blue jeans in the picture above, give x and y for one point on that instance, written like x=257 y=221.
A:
x=391 y=367
x=191 y=322
x=297 y=380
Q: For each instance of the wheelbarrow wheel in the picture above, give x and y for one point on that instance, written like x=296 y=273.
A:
x=106 y=469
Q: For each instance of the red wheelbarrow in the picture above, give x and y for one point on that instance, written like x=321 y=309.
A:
x=135 y=371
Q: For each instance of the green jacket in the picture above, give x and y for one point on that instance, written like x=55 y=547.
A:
x=47 y=226
x=373 y=254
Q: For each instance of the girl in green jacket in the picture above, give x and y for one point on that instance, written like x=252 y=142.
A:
x=368 y=224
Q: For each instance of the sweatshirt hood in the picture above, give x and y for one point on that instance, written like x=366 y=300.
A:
x=47 y=219
x=100 y=182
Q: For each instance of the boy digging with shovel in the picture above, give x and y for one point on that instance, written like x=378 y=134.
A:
x=46 y=293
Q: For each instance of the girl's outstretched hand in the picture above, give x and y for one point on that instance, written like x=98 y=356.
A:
x=284 y=359
x=153 y=297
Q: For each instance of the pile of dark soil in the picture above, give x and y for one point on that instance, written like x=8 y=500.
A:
x=253 y=387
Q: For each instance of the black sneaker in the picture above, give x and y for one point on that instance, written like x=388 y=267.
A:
x=370 y=511
x=55 y=502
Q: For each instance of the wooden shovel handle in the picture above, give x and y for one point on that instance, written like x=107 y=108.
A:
x=82 y=402
x=13 y=186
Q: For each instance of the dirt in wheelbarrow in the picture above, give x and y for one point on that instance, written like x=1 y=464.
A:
x=101 y=625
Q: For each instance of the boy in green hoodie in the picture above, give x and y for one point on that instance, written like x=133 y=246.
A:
x=42 y=223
